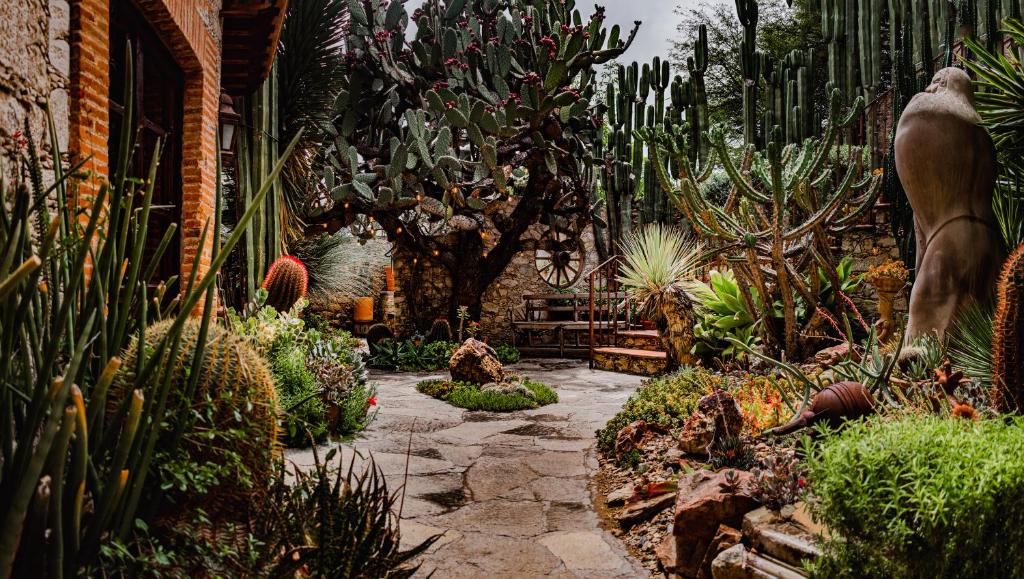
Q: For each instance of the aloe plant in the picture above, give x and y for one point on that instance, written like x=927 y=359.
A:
x=73 y=290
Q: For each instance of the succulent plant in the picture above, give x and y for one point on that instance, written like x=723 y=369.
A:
x=440 y=331
x=286 y=283
x=232 y=394
x=440 y=107
x=782 y=205
x=376 y=334
x=1007 y=355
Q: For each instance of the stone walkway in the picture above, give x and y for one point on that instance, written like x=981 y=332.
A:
x=511 y=492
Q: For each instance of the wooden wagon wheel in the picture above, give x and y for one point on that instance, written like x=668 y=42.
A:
x=560 y=258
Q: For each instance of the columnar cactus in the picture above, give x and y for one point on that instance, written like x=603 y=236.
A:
x=1008 y=337
x=779 y=214
x=747 y=12
x=286 y=283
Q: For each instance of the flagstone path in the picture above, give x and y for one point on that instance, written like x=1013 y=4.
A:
x=510 y=491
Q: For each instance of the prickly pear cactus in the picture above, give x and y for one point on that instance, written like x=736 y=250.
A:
x=234 y=400
x=1007 y=336
x=443 y=110
x=286 y=283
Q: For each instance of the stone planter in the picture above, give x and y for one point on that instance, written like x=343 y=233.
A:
x=888 y=289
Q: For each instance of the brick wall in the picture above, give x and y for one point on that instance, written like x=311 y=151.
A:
x=191 y=30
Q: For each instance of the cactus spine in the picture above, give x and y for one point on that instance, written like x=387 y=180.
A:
x=286 y=283
x=1008 y=337
x=233 y=379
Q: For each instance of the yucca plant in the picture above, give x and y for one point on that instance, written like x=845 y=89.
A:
x=73 y=290
x=969 y=343
x=1000 y=101
x=659 y=274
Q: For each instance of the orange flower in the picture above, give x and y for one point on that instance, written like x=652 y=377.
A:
x=965 y=411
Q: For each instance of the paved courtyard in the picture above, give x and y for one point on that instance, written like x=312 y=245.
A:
x=510 y=491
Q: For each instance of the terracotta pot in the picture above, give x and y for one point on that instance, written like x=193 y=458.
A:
x=389 y=278
x=364 y=309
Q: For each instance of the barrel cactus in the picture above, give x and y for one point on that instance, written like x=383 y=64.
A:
x=1007 y=358
x=286 y=283
x=234 y=400
x=440 y=331
x=377 y=334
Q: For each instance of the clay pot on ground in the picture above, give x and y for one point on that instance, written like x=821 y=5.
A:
x=363 y=310
x=834 y=405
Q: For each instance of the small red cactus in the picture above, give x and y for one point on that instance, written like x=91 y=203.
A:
x=286 y=282
x=1008 y=336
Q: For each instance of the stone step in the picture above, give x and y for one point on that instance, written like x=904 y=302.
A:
x=739 y=562
x=631 y=361
x=639 y=340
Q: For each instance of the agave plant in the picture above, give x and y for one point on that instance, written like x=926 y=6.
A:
x=73 y=474
x=969 y=343
x=659 y=274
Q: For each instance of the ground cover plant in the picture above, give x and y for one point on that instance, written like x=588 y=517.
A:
x=921 y=496
x=321 y=381
x=666 y=401
x=526 y=395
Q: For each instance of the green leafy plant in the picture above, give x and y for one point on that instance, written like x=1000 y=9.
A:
x=920 y=497
x=658 y=272
x=331 y=521
x=724 y=314
x=77 y=480
x=507 y=353
x=471 y=397
x=666 y=401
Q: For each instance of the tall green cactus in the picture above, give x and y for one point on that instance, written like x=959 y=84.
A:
x=774 y=230
x=750 y=63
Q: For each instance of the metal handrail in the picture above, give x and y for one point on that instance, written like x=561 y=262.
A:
x=600 y=318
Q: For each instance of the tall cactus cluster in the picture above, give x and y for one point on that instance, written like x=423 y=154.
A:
x=429 y=130
x=750 y=66
x=774 y=228
x=645 y=98
x=1007 y=338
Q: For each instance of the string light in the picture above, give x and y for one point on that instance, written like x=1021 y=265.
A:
x=398 y=231
x=436 y=253
x=346 y=205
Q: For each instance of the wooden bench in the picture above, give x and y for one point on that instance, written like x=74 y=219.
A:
x=554 y=312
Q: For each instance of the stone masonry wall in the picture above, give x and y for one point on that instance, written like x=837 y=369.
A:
x=35 y=68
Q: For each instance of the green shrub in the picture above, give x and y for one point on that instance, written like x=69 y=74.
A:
x=469 y=396
x=667 y=401
x=298 y=397
x=408 y=356
x=921 y=497
x=507 y=353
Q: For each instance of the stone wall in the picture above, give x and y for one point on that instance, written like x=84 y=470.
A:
x=872 y=244
x=423 y=290
x=34 y=71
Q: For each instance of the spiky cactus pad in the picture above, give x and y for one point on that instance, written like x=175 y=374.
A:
x=286 y=283
x=1007 y=358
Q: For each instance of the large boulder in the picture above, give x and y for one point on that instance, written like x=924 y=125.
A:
x=717 y=419
x=475 y=362
x=707 y=500
x=635 y=435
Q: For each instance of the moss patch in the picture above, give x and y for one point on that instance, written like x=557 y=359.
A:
x=469 y=396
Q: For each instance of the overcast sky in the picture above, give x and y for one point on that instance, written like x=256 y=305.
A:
x=658 y=17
